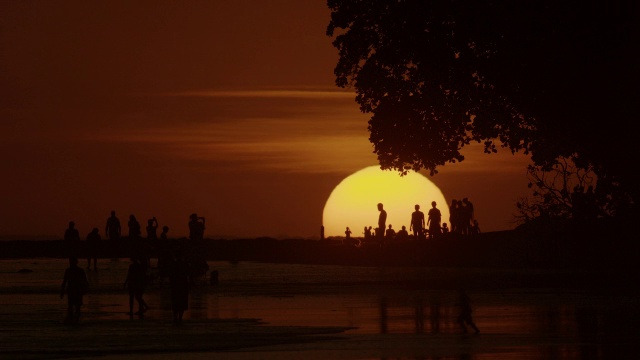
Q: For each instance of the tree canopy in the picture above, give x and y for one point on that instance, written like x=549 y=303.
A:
x=554 y=79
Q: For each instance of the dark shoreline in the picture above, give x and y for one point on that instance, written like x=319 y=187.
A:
x=503 y=249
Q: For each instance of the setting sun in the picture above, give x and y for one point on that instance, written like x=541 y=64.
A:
x=353 y=202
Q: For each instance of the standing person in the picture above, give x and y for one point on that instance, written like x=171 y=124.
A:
x=347 y=235
x=434 y=221
x=454 y=215
x=180 y=280
x=76 y=285
x=382 y=222
x=164 y=255
x=136 y=282
x=134 y=228
x=468 y=215
x=152 y=230
x=464 y=317
x=93 y=244
x=417 y=222
x=113 y=230
x=72 y=240
x=196 y=227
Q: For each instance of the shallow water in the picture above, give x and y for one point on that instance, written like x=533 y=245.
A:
x=393 y=306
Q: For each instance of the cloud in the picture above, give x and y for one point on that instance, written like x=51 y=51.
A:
x=306 y=131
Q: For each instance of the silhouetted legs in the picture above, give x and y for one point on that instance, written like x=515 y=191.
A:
x=465 y=319
x=142 y=305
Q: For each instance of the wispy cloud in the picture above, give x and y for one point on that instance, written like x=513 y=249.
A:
x=310 y=131
x=310 y=93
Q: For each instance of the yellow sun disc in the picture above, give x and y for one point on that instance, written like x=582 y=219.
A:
x=353 y=203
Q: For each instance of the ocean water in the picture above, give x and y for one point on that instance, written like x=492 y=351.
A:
x=400 y=307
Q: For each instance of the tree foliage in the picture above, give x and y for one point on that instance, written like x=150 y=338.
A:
x=553 y=79
x=564 y=191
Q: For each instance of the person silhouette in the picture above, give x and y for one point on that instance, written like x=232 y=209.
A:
x=134 y=228
x=467 y=215
x=445 y=228
x=136 y=283
x=433 y=221
x=180 y=280
x=402 y=235
x=93 y=243
x=454 y=216
x=112 y=230
x=417 y=222
x=475 y=228
x=464 y=317
x=152 y=228
x=75 y=284
x=367 y=233
x=382 y=221
x=164 y=255
x=347 y=236
x=196 y=227
x=72 y=239
x=390 y=234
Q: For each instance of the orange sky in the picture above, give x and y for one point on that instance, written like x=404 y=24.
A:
x=165 y=108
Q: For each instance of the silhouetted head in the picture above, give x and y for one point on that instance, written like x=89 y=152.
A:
x=444 y=225
x=193 y=216
x=404 y=227
x=73 y=261
x=380 y=206
x=95 y=230
x=417 y=207
x=150 y=221
x=113 y=213
x=165 y=228
x=71 y=224
x=132 y=217
x=433 y=203
x=466 y=200
x=389 y=226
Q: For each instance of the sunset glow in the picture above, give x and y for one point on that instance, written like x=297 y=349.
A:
x=353 y=202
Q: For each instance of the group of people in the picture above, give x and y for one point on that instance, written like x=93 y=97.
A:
x=430 y=227
x=75 y=285
x=462 y=217
x=178 y=261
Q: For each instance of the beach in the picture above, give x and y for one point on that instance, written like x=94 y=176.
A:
x=269 y=310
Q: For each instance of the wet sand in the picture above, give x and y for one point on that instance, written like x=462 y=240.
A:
x=287 y=311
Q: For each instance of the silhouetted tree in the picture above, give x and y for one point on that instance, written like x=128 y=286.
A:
x=564 y=191
x=554 y=79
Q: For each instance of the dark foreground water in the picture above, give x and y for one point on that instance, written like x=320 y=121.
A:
x=260 y=310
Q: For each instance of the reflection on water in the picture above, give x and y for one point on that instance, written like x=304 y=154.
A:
x=533 y=323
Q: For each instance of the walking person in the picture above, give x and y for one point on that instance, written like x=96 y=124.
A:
x=180 y=280
x=136 y=282
x=75 y=285
x=464 y=317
